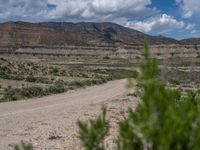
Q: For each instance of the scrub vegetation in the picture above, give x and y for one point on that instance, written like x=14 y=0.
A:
x=165 y=119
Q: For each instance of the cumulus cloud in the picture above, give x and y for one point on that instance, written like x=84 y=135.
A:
x=74 y=10
x=22 y=9
x=118 y=11
x=100 y=10
x=194 y=31
x=189 y=7
x=160 y=24
x=190 y=26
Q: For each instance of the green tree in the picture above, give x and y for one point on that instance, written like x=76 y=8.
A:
x=163 y=120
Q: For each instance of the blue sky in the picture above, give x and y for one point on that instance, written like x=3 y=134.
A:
x=177 y=9
x=173 y=18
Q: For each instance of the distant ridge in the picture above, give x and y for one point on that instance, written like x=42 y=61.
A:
x=191 y=41
x=16 y=34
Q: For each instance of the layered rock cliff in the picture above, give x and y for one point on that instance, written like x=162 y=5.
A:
x=18 y=34
x=88 y=40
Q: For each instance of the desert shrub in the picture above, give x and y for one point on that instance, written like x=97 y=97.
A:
x=57 y=87
x=137 y=57
x=79 y=84
x=92 y=134
x=4 y=75
x=30 y=92
x=11 y=94
x=106 y=57
x=111 y=73
x=130 y=73
x=88 y=82
x=163 y=120
x=98 y=81
x=198 y=55
x=91 y=82
x=173 y=81
x=3 y=59
x=172 y=54
x=180 y=76
x=54 y=70
x=23 y=146
x=76 y=84
x=104 y=79
x=122 y=73
x=84 y=75
x=31 y=78
x=16 y=77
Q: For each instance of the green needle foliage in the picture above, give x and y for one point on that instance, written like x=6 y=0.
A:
x=163 y=120
x=92 y=134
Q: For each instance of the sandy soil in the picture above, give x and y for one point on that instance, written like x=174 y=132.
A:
x=49 y=123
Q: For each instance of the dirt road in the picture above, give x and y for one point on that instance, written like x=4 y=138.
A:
x=50 y=122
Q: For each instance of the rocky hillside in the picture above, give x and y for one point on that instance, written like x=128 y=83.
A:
x=19 y=34
x=191 y=41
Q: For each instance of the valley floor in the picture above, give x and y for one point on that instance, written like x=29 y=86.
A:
x=49 y=123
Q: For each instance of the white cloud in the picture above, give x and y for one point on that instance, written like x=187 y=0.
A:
x=118 y=11
x=194 y=31
x=22 y=9
x=189 y=7
x=190 y=26
x=159 y=24
x=101 y=10
x=74 y=10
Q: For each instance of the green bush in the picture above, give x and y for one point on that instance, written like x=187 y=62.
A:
x=131 y=73
x=106 y=57
x=83 y=83
x=79 y=84
x=198 y=55
x=31 y=78
x=58 y=87
x=4 y=75
x=76 y=84
x=163 y=120
x=92 y=134
x=11 y=94
x=23 y=146
x=30 y=92
x=55 y=71
x=173 y=81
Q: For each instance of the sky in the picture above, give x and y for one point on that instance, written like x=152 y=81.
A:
x=179 y=19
